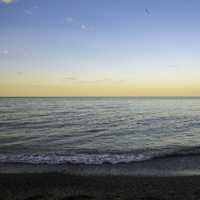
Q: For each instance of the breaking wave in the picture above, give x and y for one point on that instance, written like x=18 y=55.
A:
x=97 y=158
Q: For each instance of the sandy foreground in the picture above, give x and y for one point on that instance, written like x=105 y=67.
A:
x=67 y=187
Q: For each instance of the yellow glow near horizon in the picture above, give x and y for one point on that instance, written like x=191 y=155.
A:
x=58 y=84
x=101 y=89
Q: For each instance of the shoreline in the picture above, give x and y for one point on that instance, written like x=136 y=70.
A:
x=61 y=186
x=169 y=166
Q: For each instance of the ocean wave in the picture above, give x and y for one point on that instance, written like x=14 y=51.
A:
x=88 y=159
x=97 y=158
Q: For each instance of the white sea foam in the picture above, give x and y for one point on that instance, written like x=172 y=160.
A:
x=97 y=158
x=73 y=159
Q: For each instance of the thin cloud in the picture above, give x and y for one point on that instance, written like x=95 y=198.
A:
x=121 y=81
x=35 y=86
x=28 y=12
x=15 y=52
x=108 y=80
x=70 y=78
x=83 y=27
x=69 y=19
x=7 y=1
x=4 y=52
x=172 y=66
x=35 y=7
x=101 y=81
x=19 y=73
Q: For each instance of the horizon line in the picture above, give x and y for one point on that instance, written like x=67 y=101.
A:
x=188 y=96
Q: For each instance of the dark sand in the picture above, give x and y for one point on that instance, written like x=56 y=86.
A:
x=67 y=187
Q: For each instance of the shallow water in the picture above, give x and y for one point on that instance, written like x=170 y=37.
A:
x=96 y=130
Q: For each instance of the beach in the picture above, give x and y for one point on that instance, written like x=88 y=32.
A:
x=75 y=148
x=32 y=186
x=99 y=100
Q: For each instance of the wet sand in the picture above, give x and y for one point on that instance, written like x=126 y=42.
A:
x=59 y=186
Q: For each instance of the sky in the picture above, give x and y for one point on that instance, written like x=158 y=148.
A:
x=99 y=48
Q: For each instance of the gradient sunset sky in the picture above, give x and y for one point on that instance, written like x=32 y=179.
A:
x=99 y=47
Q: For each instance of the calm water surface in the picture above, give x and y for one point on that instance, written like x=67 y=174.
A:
x=95 y=130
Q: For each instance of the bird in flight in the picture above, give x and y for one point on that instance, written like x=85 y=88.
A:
x=147 y=11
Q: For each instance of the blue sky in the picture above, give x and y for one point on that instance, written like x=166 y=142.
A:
x=109 y=41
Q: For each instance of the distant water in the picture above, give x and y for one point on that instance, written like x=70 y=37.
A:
x=97 y=130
